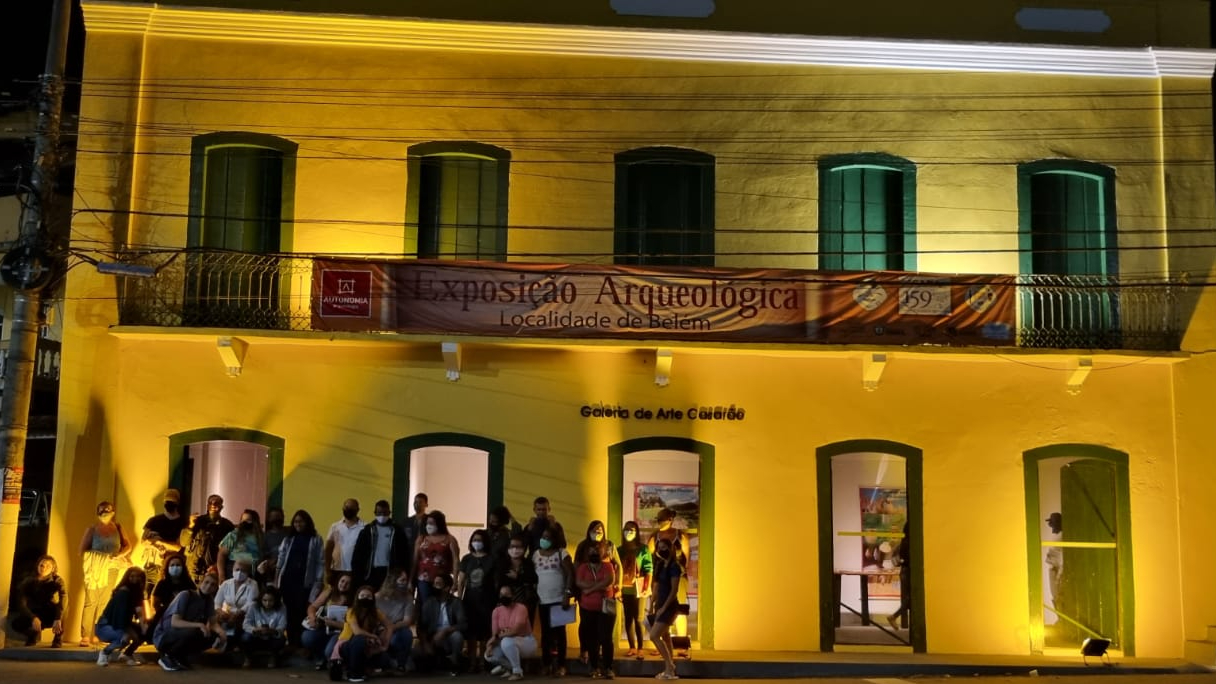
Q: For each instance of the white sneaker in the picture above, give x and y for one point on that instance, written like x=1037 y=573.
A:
x=498 y=670
x=103 y=658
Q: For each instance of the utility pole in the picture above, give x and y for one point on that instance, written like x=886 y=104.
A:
x=28 y=268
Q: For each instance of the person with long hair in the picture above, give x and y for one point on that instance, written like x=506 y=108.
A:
x=596 y=580
x=265 y=628
x=396 y=601
x=40 y=602
x=122 y=624
x=175 y=581
x=501 y=526
x=435 y=554
x=326 y=615
x=103 y=550
x=554 y=587
x=475 y=586
x=636 y=569
x=299 y=571
x=244 y=544
x=665 y=607
x=515 y=570
x=365 y=636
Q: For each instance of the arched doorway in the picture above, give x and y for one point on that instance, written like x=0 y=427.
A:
x=462 y=475
x=869 y=499
x=650 y=474
x=1079 y=557
x=243 y=466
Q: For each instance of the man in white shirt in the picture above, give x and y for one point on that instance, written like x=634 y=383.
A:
x=340 y=542
x=235 y=597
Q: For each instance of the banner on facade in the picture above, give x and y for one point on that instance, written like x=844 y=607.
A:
x=690 y=303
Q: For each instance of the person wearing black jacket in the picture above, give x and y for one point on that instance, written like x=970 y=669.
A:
x=381 y=545
x=40 y=601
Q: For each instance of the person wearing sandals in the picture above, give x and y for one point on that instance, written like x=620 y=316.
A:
x=510 y=636
x=636 y=569
x=122 y=623
x=667 y=574
x=103 y=550
x=265 y=628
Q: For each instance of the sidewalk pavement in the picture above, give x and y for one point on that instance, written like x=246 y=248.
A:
x=787 y=664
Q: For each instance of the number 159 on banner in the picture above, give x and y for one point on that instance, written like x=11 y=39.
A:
x=925 y=300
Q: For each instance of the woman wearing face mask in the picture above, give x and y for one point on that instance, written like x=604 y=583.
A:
x=515 y=570
x=396 y=601
x=122 y=624
x=104 y=549
x=511 y=637
x=365 y=636
x=636 y=568
x=435 y=554
x=175 y=581
x=667 y=574
x=555 y=580
x=595 y=540
x=596 y=580
x=475 y=586
x=300 y=570
x=244 y=543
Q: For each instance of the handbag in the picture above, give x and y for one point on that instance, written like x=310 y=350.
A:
x=609 y=606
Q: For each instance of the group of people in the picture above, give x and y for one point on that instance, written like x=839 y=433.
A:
x=357 y=598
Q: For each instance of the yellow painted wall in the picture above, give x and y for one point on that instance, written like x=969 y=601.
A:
x=340 y=405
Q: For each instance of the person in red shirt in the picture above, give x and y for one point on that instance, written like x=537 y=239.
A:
x=510 y=636
x=596 y=578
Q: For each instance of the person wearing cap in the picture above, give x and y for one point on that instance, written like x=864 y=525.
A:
x=162 y=536
x=202 y=538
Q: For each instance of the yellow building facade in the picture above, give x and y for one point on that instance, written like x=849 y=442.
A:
x=795 y=499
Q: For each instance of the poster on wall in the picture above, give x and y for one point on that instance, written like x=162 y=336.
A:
x=883 y=514
x=685 y=501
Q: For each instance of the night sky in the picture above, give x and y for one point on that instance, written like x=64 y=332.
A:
x=23 y=37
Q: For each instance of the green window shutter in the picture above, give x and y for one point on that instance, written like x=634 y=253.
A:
x=665 y=208
x=861 y=219
x=243 y=199
x=458 y=213
x=1068 y=223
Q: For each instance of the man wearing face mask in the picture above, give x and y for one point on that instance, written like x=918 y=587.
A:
x=441 y=626
x=340 y=542
x=380 y=545
x=202 y=538
x=234 y=598
x=162 y=536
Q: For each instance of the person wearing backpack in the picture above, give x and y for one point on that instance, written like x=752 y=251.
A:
x=202 y=538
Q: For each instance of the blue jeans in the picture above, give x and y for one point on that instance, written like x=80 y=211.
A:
x=117 y=638
x=401 y=646
x=320 y=645
x=355 y=655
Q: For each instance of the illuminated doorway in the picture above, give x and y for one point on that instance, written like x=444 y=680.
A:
x=460 y=474
x=1079 y=547
x=243 y=466
x=869 y=502
x=675 y=475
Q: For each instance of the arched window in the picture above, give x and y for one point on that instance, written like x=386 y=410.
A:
x=664 y=207
x=1067 y=218
x=241 y=191
x=867 y=213
x=457 y=200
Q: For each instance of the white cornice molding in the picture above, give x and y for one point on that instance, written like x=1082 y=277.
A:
x=695 y=46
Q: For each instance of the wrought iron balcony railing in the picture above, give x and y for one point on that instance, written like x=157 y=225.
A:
x=211 y=289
